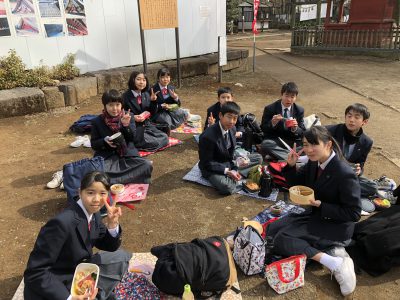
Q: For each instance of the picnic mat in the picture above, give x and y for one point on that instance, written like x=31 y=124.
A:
x=184 y=128
x=132 y=192
x=266 y=214
x=194 y=175
x=145 y=262
x=172 y=142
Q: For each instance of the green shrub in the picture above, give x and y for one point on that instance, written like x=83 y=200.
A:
x=13 y=73
x=66 y=70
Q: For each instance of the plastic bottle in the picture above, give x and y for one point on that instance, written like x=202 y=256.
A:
x=187 y=294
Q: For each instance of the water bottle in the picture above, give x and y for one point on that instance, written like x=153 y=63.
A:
x=187 y=293
x=265 y=185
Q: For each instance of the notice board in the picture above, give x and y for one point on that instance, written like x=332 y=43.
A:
x=157 y=14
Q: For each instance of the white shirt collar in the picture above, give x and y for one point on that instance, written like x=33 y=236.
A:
x=162 y=87
x=136 y=94
x=222 y=129
x=325 y=163
x=288 y=108
x=88 y=217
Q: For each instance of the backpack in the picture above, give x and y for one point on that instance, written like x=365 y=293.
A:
x=83 y=125
x=249 y=250
x=206 y=264
x=252 y=132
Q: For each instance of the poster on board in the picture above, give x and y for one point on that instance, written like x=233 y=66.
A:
x=49 y=8
x=158 y=14
x=22 y=7
x=4 y=27
x=26 y=26
x=75 y=7
x=2 y=8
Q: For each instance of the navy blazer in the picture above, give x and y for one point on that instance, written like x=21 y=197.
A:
x=100 y=130
x=160 y=98
x=130 y=102
x=215 y=109
x=61 y=245
x=361 y=148
x=338 y=189
x=279 y=130
x=213 y=153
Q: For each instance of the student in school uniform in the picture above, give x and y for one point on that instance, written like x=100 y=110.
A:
x=122 y=162
x=225 y=95
x=169 y=113
x=216 y=147
x=328 y=224
x=354 y=143
x=143 y=105
x=283 y=119
x=68 y=239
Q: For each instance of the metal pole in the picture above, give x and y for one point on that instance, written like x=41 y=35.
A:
x=178 y=57
x=242 y=24
x=219 y=60
x=142 y=42
x=254 y=52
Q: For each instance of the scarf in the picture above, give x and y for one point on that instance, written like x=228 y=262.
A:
x=349 y=138
x=114 y=123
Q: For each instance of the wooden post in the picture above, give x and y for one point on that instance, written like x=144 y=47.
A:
x=293 y=15
x=328 y=12
x=319 y=12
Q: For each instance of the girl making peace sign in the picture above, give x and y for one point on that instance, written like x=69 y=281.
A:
x=122 y=162
x=68 y=239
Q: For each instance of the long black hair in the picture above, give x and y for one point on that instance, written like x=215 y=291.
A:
x=131 y=82
x=317 y=134
x=93 y=177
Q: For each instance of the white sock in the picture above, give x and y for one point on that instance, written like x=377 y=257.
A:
x=331 y=262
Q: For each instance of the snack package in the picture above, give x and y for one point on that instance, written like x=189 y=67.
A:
x=85 y=279
x=145 y=114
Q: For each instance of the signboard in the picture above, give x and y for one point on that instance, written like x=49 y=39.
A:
x=157 y=14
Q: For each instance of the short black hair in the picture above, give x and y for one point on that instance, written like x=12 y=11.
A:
x=230 y=107
x=290 y=88
x=131 y=82
x=358 y=108
x=93 y=177
x=111 y=96
x=224 y=90
x=163 y=71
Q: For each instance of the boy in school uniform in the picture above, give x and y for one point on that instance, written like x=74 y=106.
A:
x=216 y=146
x=354 y=143
x=284 y=119
x=225 y=95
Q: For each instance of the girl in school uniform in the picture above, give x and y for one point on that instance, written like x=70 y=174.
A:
x=169 y=113
x=143 y=105
x=122 y=162
x=68 y=239
x=327 y=225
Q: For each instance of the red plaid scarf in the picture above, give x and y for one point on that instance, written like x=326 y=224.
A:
x=114 y=123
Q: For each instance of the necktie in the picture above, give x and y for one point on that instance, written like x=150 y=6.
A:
x=285 y=113
x=89 y=225
x=164 y=91
x=227 y=141
x=319 y=172
x=139 y=99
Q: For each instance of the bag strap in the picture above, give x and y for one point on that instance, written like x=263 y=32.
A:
x=296 y=271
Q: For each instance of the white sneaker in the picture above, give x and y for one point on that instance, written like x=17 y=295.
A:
x=79 y=140
x=339 y=252
x=346 y=277
x=56 y=181
x=86 y=142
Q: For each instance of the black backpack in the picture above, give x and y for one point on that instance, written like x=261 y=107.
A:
x=206 y=264
x=83 y=125
x=252 y=132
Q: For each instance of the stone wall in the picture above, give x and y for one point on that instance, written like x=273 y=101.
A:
x=22 y=101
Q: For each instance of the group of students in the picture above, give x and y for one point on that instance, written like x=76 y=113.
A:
x=332 y=166
x=321 y=232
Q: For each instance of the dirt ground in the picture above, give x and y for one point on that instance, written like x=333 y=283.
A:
x=34 y=147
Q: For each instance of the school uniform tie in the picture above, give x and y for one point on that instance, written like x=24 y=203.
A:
x=164 y=91
x=139 y=99
x=89 y=225
x=319 y=172
x=285 y=113
x=227 y=140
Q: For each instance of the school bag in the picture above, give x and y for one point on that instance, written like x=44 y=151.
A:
x=249 y=250
x=83 y=125
x=252 y=132
x=275 y=170
x=206 y=264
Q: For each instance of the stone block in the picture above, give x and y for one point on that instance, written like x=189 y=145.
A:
x=53 y=97
x=193 y=66
x=234 y=54
x=21 y=101
x=78 y=89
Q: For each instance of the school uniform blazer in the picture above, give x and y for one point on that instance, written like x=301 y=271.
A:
x=160 y=98
x=100 y=130
x=271 y=132
x=215 y=109
x=338 y=190
x=61 y=245
x=130 y=102
x=361 y=148
x=213 y=153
